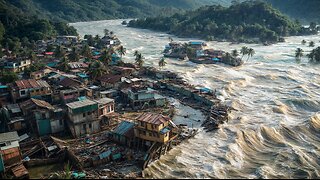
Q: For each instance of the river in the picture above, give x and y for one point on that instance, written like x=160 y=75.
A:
x=276 y=131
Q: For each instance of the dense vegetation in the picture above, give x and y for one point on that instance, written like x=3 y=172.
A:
x=18 y=30
x=305 y=11
x=250 y=21
x=84 y=10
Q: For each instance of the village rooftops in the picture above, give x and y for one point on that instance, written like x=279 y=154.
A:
x=37 y=102
x=85 y=105
x=104 y=101
x=153 y=118
x=31 y=84
x=9 y=136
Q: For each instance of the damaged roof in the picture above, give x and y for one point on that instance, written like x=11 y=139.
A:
x=104 y=100
x=31 y=84
x=125 y=128
x=78 y=104
x=9 y=136
x=153 y=118
x=36 y=102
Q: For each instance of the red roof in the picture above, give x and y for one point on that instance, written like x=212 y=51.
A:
x=112 y=79
x=153 y=118
x=31 y=83
x=48 y=53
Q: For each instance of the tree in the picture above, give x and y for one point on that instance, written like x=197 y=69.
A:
x=250 y=53
x=1 y=52
x=59 y=52
x=313 y=26
x=97 y=69
x=63 y=64
x=74 y=56
x=122 y=51
x=86 y=51
x=8 y=77
x=314 y=55
x=311 y=44
x=170 y=39
x=244 y=51
x=235 y=53
x=299 y=53
x=106 y=32
x=106 y=56
x=303 y=42
x=162 y=62
x=136 y=53
x=139 y=60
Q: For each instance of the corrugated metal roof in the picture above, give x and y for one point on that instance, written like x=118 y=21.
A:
x=124 y=128
x=9 y=136
x=153 y=118
x=20 y=171
x=31 y=83
x=36 y=102
x=77 y=104
x=14 y=108
x=104 y=100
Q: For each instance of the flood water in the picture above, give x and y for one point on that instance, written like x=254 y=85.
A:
x=276 y=131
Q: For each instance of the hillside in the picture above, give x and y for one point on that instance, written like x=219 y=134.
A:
x=303 y=10
x=250 y=21
x=84 y=10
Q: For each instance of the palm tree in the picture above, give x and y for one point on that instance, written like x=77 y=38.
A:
x=122 y=51
x=59 y=52
x=74 y=56
x=170 y=39
x=250 y=53
x=244 y=51
x=139 y=60
x=235 y=53
x=162 y=62
x=299 y=53
x=311 y=44
x=106 y=32
x=97 y=69
x=303 y=42
x=136 y=52
x=106 y=57
x=86 y=51
x=63 y=64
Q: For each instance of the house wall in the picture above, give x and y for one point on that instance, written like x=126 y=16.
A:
x=79 y=129
x=140 y=95
x=57 y=125
x=40 y=91
x=152 y=127
x=108 y=108
x=11 y=156
x=151 y=136
x=83 y=117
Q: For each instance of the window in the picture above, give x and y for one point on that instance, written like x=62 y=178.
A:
x=23 y=92
x=89 y=113
x=142 y=123
x=90 y=125
x=60 y=122
x=150 y=134
x=43 y=116
x=84 y=126
x=166 y=134
x=84 y=115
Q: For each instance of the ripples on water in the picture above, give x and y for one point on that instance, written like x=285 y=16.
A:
x=276 y=131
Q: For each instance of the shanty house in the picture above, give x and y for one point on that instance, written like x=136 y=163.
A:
x=42 y=115
x=25 y=89
x=124 y=133
x=110 y=81
x=83 y=117
x=154 y=128
x=17 y=65
x=140 y=97
x=10 y=149
x=106 y=106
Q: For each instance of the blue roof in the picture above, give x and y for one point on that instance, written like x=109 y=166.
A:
x=3 y=87
x=215 y=59
x=195 y=43
x=96 y=53
x=52 y=64
x=164 y=130
x=105 y=154
x=205 y=89
x=82 y=98
x=83 y=75
x=123 y=127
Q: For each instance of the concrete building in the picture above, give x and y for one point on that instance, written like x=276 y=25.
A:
x=83 y=117
x=141 y=97
x=25 y=89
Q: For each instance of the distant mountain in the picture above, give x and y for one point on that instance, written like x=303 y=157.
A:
x=84 y=10
x=303 y=10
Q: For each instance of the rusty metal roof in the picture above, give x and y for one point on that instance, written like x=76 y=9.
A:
x=20 y=171
x=37 y=102
x=31 y=83
x=153 y=118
